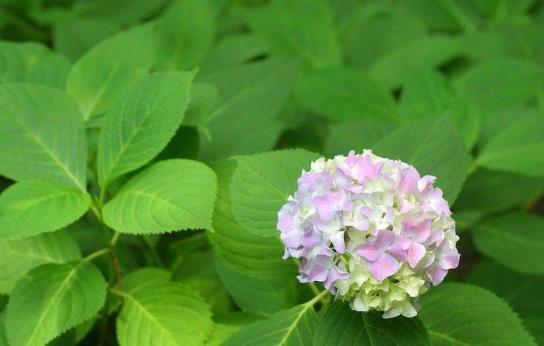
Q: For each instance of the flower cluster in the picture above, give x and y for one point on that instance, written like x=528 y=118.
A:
x=371 y=229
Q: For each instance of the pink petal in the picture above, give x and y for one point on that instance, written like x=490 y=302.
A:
x=409 y=180
x=384 y=267
x=337 y=239
x=414 y=254
x=437 y=275
x=369 y=252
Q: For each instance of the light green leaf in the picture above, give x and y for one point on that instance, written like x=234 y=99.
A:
x=122 y=11
x=41 y=136
x=140 y=278
x=184 y=34
x=141 y=122
x=19 y=256
x=518 y=148
x=340 y=324
x=101 y=75
x=515 y=240
x=74 y=36
x=355 y=135
x=301 y=28
x=501 y=83
x=460 y=314
x=448 y=15
x=392 y=70
x=30 y=208
x=294 y=326
x=426 y=93
x=250 y=266
x=166 y=314
x=340 y=93
x=32 y=63
x=233 y=50
x=51 y=299
x=204 y=97
x=261 y=184
x=522 y=292
x=251 y=96
x=227 y=325
x=169 y=196
x=492 y=191
x=433 y=147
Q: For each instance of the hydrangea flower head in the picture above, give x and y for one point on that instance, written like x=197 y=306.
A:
x=371 y=229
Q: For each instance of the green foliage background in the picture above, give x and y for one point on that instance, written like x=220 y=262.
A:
x=147 y=145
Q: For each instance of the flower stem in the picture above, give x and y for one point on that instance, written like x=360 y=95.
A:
x=96 y=254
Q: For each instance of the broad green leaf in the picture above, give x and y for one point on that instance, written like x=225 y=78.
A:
x=518 y=148
x=251 y=96
x=491 y=191
x=522 y=292
x=204 y=97
x=233 y=50
x=184 y=34
x=41 y=136
x=74 y=36
x=261 y=184
x=514 y=240
x=340 y=324
x=169 y=196
x=51 y=299
x=375 y=31
x=294 y=326
x=141 y=122
x=122 y=11
x=460 y=314
x=101 y=75
x=393 y=69
x=501 y=83
x=32 y=63
x=250 y=266
x=447 y=15
x=433 y=147
x=21 y=255
x=227 y=325
x=355 y=135
x=340 y=93
x=163 y=314
x=300 y=28
x=3 y=336
x=31 y=208
x=426 y=93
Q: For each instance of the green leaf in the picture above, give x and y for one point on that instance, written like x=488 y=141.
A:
x=140 y=278
x=184 y=34
x=233 y=50
x=101 y=75
x=251 y=96
x=250 y=266
x=302 y=28
x=141 y=122
x=51 y=299
x=294 y=326
x=163 y=314
x=41 y=135
x=340 y=93
x=433 y=147
x=168 y=196
x=501 y=83
x=518 y=148
x=340 y=324
x=515 y=240
x=460 y=314
x=122 y=11
x=492 y=191
x=261 y=184
x=204 y=97
x=74 y=36
x=392 y=70
x=227 y=325
x=448 y=15
x=21 y=255
x=30 y=208
x=32 y=63
x=355 y=135
x=522 y=292
x=426 y=93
